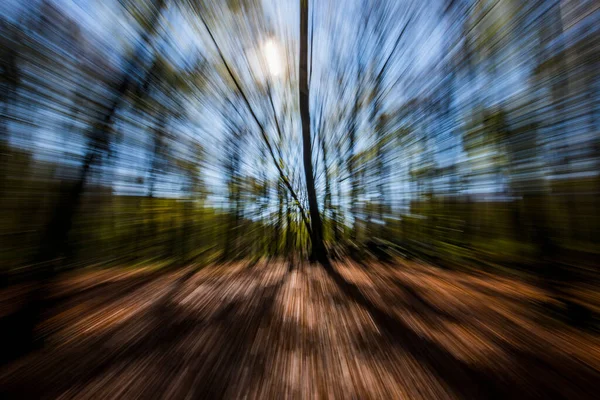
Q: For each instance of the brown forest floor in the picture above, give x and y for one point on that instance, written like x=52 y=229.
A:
x=279 y=330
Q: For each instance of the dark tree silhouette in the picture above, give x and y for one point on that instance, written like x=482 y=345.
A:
x=318 y=251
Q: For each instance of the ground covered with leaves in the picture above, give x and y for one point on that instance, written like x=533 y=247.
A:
x=281 y=329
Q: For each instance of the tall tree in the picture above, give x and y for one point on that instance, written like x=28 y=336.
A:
x=318 y=251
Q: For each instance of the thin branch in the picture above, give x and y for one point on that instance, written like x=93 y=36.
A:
x=398 y=39
x=260 y=126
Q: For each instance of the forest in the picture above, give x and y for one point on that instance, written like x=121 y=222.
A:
x=303 y=199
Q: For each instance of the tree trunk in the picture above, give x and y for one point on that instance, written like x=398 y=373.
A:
x=337 y=215
x=279 y=223
x=318 y=252
x=351 y=159
x=327 y=202
x=288 y=226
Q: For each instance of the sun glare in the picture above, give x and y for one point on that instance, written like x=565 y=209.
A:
x=273 y=57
